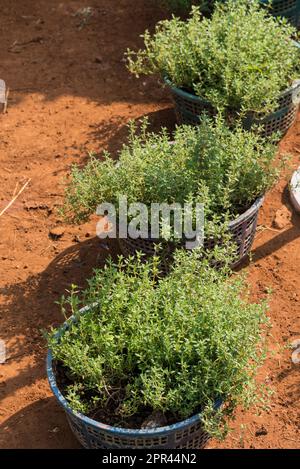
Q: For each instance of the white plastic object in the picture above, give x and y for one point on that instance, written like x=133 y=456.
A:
x=295 y=190
x=295 y=343
x=296 y=354
x=2 y=92
x=2 y=351
x=296 y=92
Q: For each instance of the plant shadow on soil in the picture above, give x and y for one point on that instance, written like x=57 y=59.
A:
x=116 y=133
x=281 y=239
x=72 y=266
x=53 y=431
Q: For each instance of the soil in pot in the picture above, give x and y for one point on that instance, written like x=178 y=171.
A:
x=146 y=418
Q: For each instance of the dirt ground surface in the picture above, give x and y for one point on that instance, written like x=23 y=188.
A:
x=70 y=93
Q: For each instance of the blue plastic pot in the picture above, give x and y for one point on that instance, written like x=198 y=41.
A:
x=93 y=435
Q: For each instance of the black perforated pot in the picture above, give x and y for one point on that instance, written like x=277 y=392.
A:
x=189 y=108
x=242 y=231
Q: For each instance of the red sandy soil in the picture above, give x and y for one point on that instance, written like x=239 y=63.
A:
x=70 y=93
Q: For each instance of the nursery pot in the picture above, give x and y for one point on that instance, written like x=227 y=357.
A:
x=91 y=434
x=189 y=108
x=242 y=231
x=289 y=9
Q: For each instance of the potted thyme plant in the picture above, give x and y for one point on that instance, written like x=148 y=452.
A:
x=226 y=171
x=240 y=61
x=156 y=362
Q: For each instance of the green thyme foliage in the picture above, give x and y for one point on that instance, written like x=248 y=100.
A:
x=174 y=345
x=226 y=170
x=240 y=60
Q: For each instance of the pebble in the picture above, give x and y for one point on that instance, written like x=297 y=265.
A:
x=155 y=420
x=2 y=351
x=57 y=232
x=282 y=218
x=261 y=431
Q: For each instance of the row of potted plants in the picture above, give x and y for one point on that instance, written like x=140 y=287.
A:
x=159 y=349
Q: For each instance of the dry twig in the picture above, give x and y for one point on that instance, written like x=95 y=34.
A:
x=14 y=198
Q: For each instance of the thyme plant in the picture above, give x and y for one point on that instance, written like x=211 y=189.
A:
x=210 y=164
x=173 y=345
x=240 y=59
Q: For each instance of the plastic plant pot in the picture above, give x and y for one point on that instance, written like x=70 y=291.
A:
x=91 y=434
x=242 y=231
x=295 y=190
x=283 y=118
x=189 y=108
x=289 y=9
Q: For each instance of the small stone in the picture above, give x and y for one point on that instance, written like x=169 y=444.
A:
x=295 y=344
x=54 y=430
x=296 y=356
x=76 y=239
x=261 y=431
x=2 y=351
x=104 y=245
x=155 y=420
x=56 y=233
x=282 y=218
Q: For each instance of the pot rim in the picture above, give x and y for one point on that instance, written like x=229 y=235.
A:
x=239 y=219
x=193 y=97
x=251 y=210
